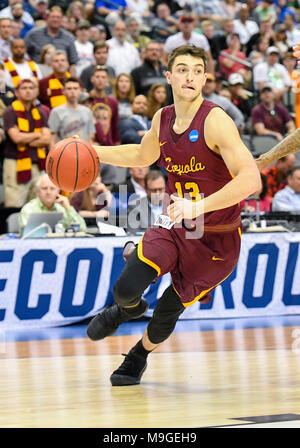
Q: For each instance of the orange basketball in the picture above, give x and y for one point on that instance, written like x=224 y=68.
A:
x=72 y=164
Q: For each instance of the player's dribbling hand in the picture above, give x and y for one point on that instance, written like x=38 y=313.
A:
x=182 y=209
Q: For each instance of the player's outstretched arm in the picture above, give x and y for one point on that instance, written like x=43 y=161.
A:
x=132 y=155
x=288 y=145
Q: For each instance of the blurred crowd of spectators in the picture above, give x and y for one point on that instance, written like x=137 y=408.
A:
x=96 y=69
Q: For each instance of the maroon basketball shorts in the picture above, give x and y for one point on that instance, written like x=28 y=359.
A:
x=196 y=265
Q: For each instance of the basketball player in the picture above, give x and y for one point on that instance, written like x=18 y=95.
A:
x=200 y=147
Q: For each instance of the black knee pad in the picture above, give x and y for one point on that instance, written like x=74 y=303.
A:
x=165 y=316
x=134 y=279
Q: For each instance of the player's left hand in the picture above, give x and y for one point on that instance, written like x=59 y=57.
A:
x=182 y=209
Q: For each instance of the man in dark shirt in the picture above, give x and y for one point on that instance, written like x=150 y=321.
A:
x=270 y=118
x=151 y=71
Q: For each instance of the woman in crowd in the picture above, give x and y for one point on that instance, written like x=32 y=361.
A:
x=45 y=60
x=93 y=202
x=157 y=98
x=264 y=201
x=124 y=92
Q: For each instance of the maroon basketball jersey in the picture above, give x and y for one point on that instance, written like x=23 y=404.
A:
x=193 y=167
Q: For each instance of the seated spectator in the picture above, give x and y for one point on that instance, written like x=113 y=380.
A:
x=272 y=73
x=51 y=87
x=134 y=35
x=230 y=8
x=99 y=82
x=5 y=38
x=208 y=9
x=292 y=32
x=187 y=36
x=239 y=96
x=216 y=40
x=134 y=128
x=17 y=12
x=265 y=31
x=102 y=120
x=98 y=33
x=283 y=10
x=229 y=66
x=48 y=199
x=93 y=202
x=281 y=41
x=54 y=34
x=143 y=212
x=6 y=93
x=136 y=182
x=84 y=47
x=157 y=99
x=100 y=58
x=40 y=10
x=45 y=60
x=164 y=24
x=290 y=63
x=264 y=200
x=244 y=27
x=277 y=174
x=122 y=55
x=71 y=118
x=288 y=199
x=76 y=10
x=124 y=93
x=141 y=7
x=27 y=135
x=152 y=70
x=104 y=8
x=266 y=10
x=18 y=67
x=258 y=55
x=270 y=118
x=208 y=92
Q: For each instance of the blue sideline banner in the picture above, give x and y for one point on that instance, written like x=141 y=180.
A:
x=53 y=282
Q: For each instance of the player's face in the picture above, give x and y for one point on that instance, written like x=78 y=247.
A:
x=187 y=77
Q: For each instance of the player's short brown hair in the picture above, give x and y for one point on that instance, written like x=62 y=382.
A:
x=196 y=52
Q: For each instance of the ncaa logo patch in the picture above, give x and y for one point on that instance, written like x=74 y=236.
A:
x=193 y=136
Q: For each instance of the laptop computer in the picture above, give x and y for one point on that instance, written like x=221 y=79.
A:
x=42 y=222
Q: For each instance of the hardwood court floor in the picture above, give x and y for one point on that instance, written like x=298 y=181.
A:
x=195 y=379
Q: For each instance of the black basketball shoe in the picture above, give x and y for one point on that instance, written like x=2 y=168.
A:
x=130 y=371
x=106 y=323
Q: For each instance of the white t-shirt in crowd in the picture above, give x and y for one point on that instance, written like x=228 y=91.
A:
x=275 y=75
x=85 y=54
x=177 y=40
x=123 y=58
x=245 y=31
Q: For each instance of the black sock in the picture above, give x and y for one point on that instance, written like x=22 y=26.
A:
x=140 y=350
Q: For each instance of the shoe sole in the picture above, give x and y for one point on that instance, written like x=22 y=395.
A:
x=125 y=380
